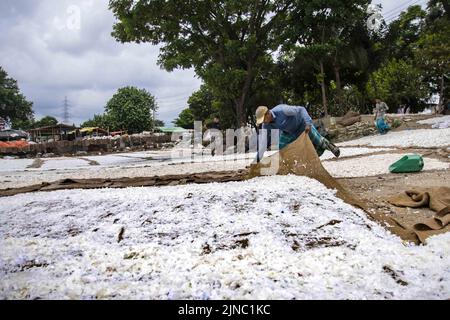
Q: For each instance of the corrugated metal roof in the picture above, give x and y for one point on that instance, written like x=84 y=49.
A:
x=13 y=134
x=171 y=129
x=58 y=126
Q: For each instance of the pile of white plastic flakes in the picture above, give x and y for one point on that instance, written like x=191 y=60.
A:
x=267 y=238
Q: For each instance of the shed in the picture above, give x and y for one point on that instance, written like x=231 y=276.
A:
x=57 y=133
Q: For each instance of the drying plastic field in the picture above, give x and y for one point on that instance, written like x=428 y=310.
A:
x=268 y=238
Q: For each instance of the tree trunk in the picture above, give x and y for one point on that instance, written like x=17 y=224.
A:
x=240 y=103
x=324 y=92
x=441 y=97
x=374 y=85
x=240 y=119
x=338 y=83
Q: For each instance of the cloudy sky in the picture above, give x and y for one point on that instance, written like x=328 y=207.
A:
x=54 y=54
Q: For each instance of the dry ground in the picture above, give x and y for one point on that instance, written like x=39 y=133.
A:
x=376 y=190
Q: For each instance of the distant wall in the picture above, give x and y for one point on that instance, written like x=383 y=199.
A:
x=106 y=144
x=360 y=129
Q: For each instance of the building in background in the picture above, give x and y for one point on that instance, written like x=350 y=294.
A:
x=2 y=124
x=58 y=132
x=13 y=135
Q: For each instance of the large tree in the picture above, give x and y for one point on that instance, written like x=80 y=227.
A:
x=131 y=109
x=99 y=120
x=14 y=107
x=433 y=55
x=403 y=33
x=201 y=104
x=321 y=33
x=185 y=119
x=226 y=42
x=159 y=123
x=46 y=121
x=432 y=49
x=399 y=82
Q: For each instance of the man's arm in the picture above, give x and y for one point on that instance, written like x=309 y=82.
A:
x=262 y=142
x=306 y=117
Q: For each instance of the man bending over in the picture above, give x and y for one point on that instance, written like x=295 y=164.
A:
x=292 y=121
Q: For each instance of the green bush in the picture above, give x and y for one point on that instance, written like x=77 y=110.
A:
x=397 y=123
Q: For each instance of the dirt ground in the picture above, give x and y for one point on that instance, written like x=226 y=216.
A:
x=376 y=190
x=411 y=123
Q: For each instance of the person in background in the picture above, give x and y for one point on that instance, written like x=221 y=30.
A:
x=291 y=121
x=380 y=116
x=408 y=110
x=216 y=124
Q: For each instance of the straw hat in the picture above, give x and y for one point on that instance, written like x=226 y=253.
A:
x=260 y=114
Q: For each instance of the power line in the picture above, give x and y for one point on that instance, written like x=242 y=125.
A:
x=395 y=15
x=396 y=8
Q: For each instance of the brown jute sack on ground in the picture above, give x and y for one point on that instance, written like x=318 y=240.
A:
x=437 y=199
x=68 y=184
x=300 y=158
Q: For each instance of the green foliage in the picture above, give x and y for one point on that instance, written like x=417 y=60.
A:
x=226 y=42
x=352 y=99
x=185 y=119
x=327 y=56
x=99 y=120
x=46 y=122
x=13 y=105
x=201 y=104
x=433 y=51
x=130 y=109
x=396 y=123
x=329 y=46
x=159 y=123
x=26 y=124
x=398 y=82
x=403 y=33
x=417 y=51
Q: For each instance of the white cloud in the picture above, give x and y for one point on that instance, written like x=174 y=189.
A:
x=52 y=56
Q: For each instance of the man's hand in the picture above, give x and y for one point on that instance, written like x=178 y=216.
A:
x=252 y=166
x=308 y=129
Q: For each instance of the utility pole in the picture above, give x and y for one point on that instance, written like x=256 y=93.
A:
x=66 y=111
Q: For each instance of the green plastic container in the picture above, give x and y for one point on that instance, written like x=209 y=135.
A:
x=407 y=164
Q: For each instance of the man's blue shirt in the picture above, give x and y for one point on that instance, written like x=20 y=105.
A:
x=291 y=120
